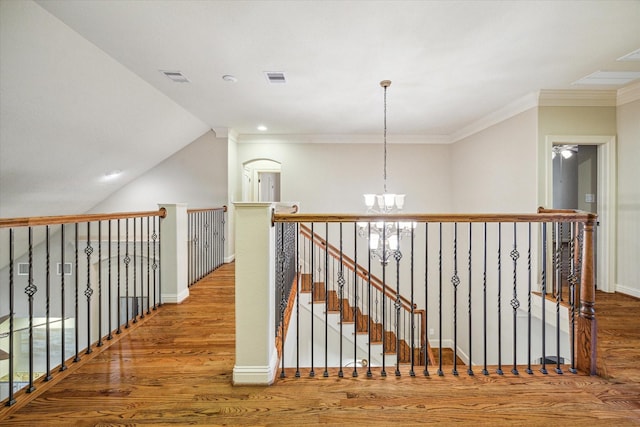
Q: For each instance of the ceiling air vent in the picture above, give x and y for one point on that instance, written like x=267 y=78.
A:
x=175 y=76
x=275 y=77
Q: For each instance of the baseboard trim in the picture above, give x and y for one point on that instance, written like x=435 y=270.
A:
x=175 y=298
x=229 y=258
x=256 y=375
x=628 y=291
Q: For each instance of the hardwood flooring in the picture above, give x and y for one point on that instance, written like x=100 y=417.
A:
x=176 y=369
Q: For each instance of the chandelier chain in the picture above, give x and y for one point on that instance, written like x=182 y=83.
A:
x=385 y=139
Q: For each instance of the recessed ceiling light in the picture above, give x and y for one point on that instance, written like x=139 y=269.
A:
x=262 y=128
x=633 y=56
x=609 y=78
x=175 y=76
x=112 y=174
x=229 y=78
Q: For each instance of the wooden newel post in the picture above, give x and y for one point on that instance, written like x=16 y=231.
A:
x=587 y=324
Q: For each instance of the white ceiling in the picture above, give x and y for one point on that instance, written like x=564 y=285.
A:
x=81 y=92
x=451 y=62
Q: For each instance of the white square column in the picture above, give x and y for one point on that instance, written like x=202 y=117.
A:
x=256 y=355
x=174 y=286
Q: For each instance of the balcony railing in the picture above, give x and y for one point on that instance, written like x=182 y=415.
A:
x=206 y=241
x=500 y=291
x=71 y=284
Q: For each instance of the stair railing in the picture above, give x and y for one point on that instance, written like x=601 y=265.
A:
x=408 y=322
x=487 y=283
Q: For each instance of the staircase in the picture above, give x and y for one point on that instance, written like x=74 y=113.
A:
x=361 y=323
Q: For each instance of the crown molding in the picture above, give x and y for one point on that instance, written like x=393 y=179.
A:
x=542 y=98
x=342 y=139
x=628 y=94
x=512 y=109
x=577 y=98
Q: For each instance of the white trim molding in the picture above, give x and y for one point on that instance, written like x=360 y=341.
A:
x=628 y=291
x=175 y=298
x=628 y=94
x=256 y=375
x=577 y=98
x=342 y=139
x=607 y=200
x=510 y=110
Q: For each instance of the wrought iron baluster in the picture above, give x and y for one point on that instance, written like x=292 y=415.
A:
x=10 y=399
x=559 y=293
x=470 y=369
x=529 y=370
x=118 y=281
x=425 y=345
x=77 y=299
x=63 y=359
x=341 y=282
x=30 y=290
x=485 y=371
x=109 y=284
x=283 y=301
x=140 y=304
x=148 y=265
x=312 y=373
x=397 y=303
x=222 y=214
x=88 y=291
x=543 y=369
x=127 y=260
x=159 y=263
x=298 y=279
x=515 y=303
x=412 y=318
x=99 y=284
x=326 y=302
x=384 y=298
x=572 y=296
x=455 y=281
x=369 y=318
x=154 y=265
x=499 y=370
x=201 y=241
x=134 y=302
x=440 y=371
x=48 y=304
x=355 y=300
x=207 y=243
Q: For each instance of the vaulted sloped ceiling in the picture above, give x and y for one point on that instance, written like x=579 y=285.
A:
x=82 y=93
x=71 y=113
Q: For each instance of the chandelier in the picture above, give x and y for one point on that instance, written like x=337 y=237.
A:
x=384 y=237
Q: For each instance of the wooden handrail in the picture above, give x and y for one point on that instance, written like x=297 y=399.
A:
x=552 y=216
x=223 y=208
x=350 y=264
x=68 y=219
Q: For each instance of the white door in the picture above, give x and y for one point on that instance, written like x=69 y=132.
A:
x=269 y=186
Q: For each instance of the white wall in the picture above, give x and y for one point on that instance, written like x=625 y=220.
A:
x=495 y=170
x=331 y=178
x=196 y=175
x=628 y=247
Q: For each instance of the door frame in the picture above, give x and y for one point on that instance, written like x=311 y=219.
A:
x=606 y=241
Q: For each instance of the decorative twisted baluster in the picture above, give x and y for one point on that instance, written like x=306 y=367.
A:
x=515 y=303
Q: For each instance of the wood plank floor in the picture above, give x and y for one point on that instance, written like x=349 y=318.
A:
x=176 y=369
